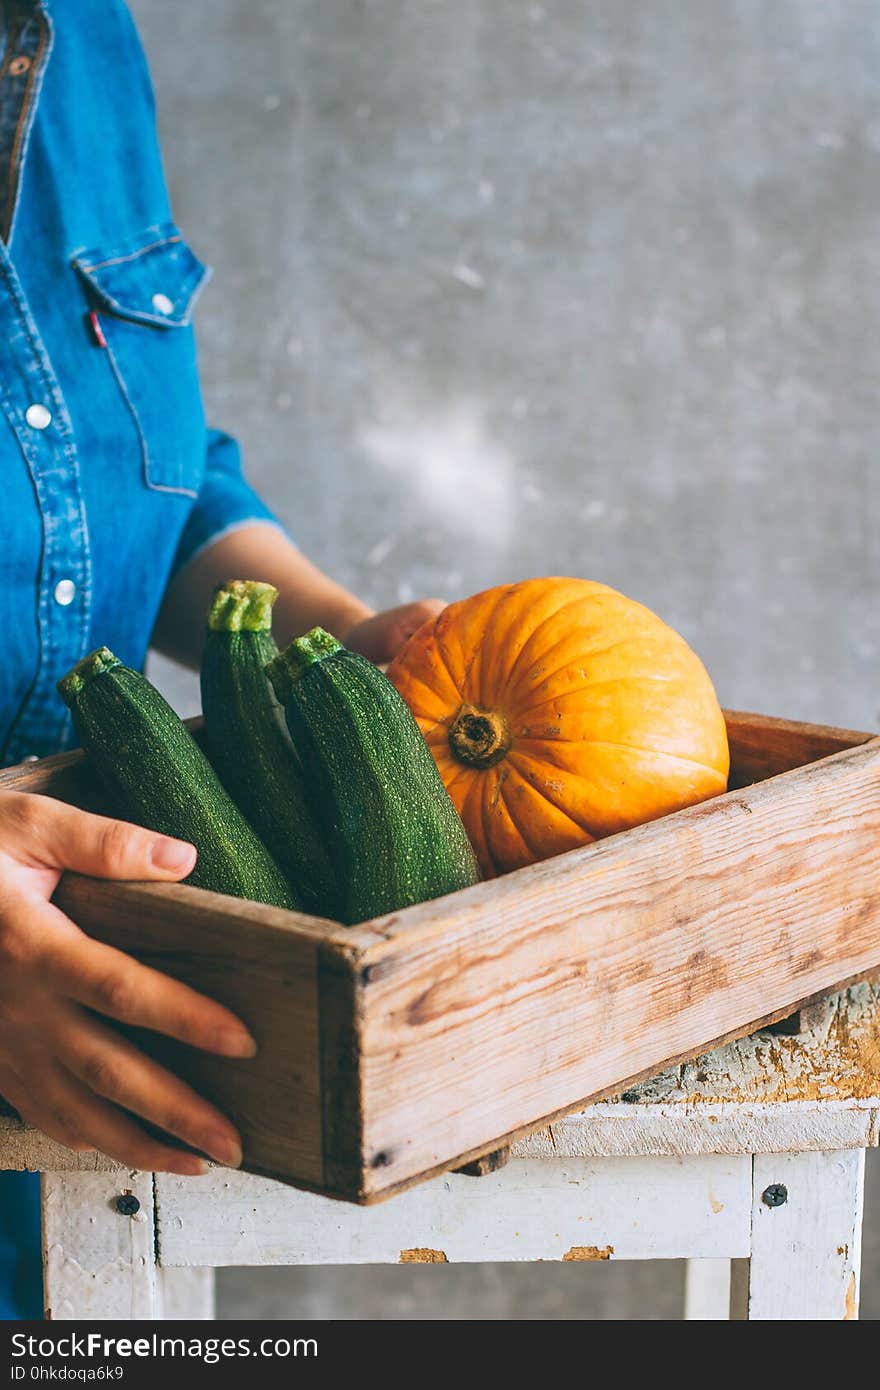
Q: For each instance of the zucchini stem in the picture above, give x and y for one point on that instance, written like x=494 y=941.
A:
x=95 y=664
x=242 y=605
x=288 y=666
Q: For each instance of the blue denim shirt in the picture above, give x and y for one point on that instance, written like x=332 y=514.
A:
x=109 y=479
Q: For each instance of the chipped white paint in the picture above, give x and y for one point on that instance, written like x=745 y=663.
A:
x=97 y=1262
x=660 y=1208
x=835 y=1056
x=806 y=1253
x=668 y=1172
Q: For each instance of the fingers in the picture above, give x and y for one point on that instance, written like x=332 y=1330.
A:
x=45 y=832
x=112 y=983
x=381 y=637
x=115 y=1070
x=68 y=1112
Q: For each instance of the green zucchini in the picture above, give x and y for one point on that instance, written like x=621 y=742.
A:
x=374 y=787
x=156 y=774
x=249 y=745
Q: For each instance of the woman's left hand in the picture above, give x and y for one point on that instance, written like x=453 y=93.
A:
x=381 y=636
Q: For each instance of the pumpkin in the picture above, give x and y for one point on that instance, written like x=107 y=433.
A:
x=558 y=711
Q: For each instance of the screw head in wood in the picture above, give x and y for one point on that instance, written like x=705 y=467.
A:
x=127 y=1204
x=776 y=1195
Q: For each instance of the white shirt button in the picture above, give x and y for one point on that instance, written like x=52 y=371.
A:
x=65 y=592
x=162 y=304
x=38 y=417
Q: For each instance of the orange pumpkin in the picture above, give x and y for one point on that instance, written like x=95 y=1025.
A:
x=559 y=711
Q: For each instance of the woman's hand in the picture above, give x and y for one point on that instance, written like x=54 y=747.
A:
x=381 y=636
x=62 y=1066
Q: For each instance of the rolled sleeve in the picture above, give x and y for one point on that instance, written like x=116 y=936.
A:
x=225 y=501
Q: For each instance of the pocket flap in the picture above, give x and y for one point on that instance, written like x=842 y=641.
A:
x=152 y=278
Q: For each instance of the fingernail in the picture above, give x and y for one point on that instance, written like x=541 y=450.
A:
x=235 y=1042
x=172 y=856
x=190 y=1167
x=224 y=1149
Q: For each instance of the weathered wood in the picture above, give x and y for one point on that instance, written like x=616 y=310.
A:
x=64 y=775
x=98 y=1262
x=421 y=1041
x=737 y=1127
x=819 y=1090
x=573 y=1210
x=265 y=969
x=761 y=747
x=486 y=1163
x=519 y=994
x=806 y=1251
x=604 y=1130
x=834 y=1057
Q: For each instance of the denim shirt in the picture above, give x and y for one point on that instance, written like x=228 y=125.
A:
x=109 y=478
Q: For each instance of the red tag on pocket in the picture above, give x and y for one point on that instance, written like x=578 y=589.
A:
x=97 y=331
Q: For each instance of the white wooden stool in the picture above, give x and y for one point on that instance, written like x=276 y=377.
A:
x=748 y=1162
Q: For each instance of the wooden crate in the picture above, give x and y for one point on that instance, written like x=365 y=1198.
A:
x=417 y=1042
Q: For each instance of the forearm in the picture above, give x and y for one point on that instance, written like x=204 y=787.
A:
x=258 y=550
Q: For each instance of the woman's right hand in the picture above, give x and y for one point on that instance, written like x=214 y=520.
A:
x=64 y=1068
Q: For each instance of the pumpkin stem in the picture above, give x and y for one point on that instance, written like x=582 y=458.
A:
x=479 y=737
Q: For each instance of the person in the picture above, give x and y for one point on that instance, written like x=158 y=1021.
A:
x=121 y=511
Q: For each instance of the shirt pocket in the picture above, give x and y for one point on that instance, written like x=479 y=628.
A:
x=141 y=293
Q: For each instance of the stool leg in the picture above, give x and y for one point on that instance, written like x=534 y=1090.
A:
x=98 y=1250
x=806 y=1237
x=707 y=1290
x=186 y=1293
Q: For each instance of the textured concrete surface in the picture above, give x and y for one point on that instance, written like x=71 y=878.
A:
x=505 y=289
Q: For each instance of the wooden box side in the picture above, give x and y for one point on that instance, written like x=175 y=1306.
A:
x=485 y=1013
x=762 y=747
x=289 y=978
x=308 y=1106
x=266 y=976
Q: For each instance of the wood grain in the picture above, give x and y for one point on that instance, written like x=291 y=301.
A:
x=416 y=1043
x=761 y=747
x=261 y=962
x=525 y=993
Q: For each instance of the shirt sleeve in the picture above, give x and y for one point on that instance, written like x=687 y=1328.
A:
x=225 y=501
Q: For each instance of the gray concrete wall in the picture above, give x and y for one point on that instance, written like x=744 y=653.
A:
x=585 y=286
x=507 y=288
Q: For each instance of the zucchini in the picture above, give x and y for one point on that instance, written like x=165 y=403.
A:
x=248 y=742
x=156 y=774
x=373 y=784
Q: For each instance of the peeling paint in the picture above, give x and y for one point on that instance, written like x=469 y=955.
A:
x=715 y=1204
x=589 y=1252
x=835 y=1056
x=852 y=1307
x=422 y=1255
